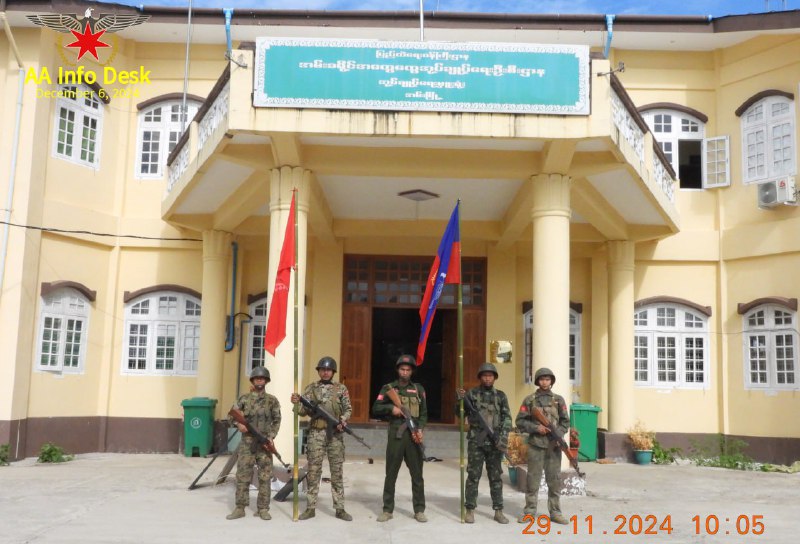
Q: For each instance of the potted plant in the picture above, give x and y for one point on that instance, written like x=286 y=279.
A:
x=517 y=454
x=574 y=441
x=642 y=440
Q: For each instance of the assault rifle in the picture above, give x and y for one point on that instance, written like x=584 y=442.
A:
x=318 y=411
x=486 y=430
x=260 y=441
x=410 y=424
x=556 y=437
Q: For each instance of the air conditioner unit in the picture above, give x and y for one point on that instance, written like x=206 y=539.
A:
x=780 y=191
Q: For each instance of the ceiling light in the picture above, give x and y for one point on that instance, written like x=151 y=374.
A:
x=418 y=195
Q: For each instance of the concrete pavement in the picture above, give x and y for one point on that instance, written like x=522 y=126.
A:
x=143 y=498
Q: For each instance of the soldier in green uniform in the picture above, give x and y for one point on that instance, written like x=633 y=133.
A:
x=543 y=454
x=493 y=405
x=400 y=445
x=263 y=411
x=334 y=398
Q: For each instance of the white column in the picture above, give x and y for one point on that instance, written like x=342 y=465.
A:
x=281 y=367
x=551 y=214
x=620 y=339
x=216 y=246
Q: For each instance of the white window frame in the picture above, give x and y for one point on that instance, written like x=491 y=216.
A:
x=163 y=120
x=575 y=362
x=83 y=104
x=714 y=163
x=661 y=326
x=770 y=329
x=65 y=305
x=256 y=355
x=758 y=123
x=155 y=313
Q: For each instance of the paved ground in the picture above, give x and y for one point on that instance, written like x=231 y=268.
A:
x=108 y=498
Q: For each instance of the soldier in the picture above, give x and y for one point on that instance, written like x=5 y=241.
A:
x=400 y=444
x=263 y=412
x=493 y=405
x=543 y=454
x=334 y=398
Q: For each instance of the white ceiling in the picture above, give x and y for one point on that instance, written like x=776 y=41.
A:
x=351 y=197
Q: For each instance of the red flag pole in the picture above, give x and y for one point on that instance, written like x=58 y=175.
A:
x=295 y=470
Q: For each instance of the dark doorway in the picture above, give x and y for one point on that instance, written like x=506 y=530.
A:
x=395 y=331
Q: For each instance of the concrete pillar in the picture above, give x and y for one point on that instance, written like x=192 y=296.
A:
x=216 y=247
x=281 y=367
x=599 y=334
x=551 y=214
x=620 y=341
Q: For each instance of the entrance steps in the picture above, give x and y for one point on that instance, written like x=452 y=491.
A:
x=441 y=440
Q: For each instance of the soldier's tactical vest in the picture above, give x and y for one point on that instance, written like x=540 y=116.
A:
x=548 y=404
x=329 y=398
x=412 y=401
x=488 y=404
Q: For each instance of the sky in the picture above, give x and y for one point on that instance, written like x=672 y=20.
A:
x=715 y=8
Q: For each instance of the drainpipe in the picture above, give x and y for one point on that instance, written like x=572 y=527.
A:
x=12 y=175
x=242 y=324
x=230 y=338
x=609 y=34
x=228 y=14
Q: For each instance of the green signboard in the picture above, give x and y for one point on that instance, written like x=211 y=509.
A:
x=422 y=76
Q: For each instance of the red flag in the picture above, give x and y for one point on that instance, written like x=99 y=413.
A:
x=276 y=324
x=446 y=269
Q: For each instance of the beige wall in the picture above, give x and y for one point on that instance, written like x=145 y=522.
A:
x=728 y=250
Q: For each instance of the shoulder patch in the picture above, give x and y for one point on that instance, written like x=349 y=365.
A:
x=523 y=408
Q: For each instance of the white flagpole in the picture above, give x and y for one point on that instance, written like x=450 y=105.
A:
x=422 y=20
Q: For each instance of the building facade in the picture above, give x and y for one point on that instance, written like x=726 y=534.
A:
x=644 y=248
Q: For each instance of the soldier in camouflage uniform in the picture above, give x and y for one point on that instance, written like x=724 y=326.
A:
x=334 y=398
x=543 y=454
x=398 y=448
x=263 y=411
x=493 y=405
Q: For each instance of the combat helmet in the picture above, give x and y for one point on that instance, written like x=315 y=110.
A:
x=544 y=372
x=406 y=360
x=327 y=363
x=259 y=372
x=488 y=367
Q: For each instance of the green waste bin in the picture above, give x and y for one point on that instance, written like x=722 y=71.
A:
x=584 y=418
x=198 y=425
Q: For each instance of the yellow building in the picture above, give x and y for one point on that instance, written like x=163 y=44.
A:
x=627 y=213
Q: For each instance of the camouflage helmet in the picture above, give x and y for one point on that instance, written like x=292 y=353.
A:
x=259 y=372
x=406 y=360
x=488 y=367
x=327 y=363
x=544 y=372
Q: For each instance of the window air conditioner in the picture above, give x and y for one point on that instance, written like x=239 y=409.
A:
x=780 y=191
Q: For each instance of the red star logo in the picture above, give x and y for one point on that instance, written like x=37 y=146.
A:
x=88 y=42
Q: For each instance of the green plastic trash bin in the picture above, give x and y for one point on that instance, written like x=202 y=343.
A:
x=198 y=425
x=584 y=418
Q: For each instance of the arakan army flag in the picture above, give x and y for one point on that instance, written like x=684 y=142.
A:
x=446 y=269
x=276 y=323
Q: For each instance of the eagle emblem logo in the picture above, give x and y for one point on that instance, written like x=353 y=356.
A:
x=87 y=30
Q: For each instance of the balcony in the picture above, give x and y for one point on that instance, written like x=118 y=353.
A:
x=622 y=188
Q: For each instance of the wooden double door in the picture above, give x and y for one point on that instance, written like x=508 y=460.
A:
x=377 y=326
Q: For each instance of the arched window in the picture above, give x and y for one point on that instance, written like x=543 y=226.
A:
x=159 y=131
x=768 y=145
x=670 y=346
x=162 y=334
x=770 y=348
x=258 y=327
x=700 y=162
x=574 y=346
x=79 y=124
x=63 y=329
